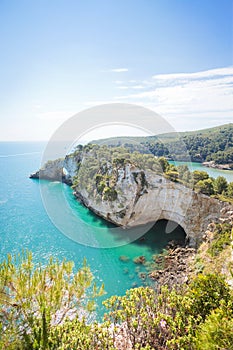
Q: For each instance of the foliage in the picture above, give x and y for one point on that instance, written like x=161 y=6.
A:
x=199 y=175
x=216 y=332
x=109 y=194
x=172 y=175
x=38 y=299
x=214 y=144
x=168 y=319
x=220 y=185
x=36 y=303
x=205 y=186
x=206 y=293
x=77 y=334
x=230 y=190
x=222 y=239
x=164 y=164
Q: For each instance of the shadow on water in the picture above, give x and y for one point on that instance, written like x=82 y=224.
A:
x=140 y=257
x=157 y=237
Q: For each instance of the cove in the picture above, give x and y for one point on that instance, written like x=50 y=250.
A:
x=228 y=174
x=24 y=224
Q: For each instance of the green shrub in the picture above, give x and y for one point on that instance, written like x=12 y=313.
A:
x=205 y=186
x=109 y=194
x=221 y=241
x=216 y=332
x=206 y=292
x=36 y=299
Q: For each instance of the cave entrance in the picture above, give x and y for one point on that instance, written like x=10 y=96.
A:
x=164 y=234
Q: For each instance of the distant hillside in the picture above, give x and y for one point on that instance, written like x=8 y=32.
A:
x=213 y=144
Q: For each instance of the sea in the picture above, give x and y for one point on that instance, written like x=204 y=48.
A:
x=25 y=224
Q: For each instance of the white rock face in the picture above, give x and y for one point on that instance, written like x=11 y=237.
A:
x=70 y=166
x=143 y=201
x=145 y=197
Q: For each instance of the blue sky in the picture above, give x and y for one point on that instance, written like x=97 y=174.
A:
x=59 y=57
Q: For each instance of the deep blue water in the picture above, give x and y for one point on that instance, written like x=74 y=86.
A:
x=25 y=224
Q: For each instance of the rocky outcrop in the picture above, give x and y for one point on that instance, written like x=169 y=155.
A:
x=140 y=197
x=62 y=170
x=212 y=164
x=145 y=197
x=52 y=170
x=176 y=267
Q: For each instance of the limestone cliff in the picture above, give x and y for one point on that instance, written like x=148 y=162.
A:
x=129 y=196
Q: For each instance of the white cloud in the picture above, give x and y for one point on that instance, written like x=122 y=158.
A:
x=189 y=98
x=119 y=70
x=138 y=87
x=197 y=75
x=118 y=82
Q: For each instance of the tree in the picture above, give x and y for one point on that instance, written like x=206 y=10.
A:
x=206 y=293
x=182 y=169
x=163 y=163
x=199 y=175
x=230 y=190
x=216 y=331
x=187 y=178
x=220 y=185
x=172 y=175
x=38 y=299
x=205 y=186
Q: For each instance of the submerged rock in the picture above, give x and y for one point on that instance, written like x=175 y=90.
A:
x=139 y=260
x=124 y=258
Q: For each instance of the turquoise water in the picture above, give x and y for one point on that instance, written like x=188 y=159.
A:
x=228 y=174
x=24 y=223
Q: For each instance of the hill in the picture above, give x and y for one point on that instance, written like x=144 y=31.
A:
x=212 y=144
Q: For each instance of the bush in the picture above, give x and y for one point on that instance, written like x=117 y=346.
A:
x=206 y=293
x=221 y=241
x=77 y=334
x=109 y=194
x=37 y=304
x=34 y=300
x=220 y=185
x=205 y=186
x=216 y=332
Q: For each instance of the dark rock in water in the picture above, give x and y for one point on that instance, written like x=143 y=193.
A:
x=172 y=244
x=176 y=267
x=142 y=275
x=34 y=175
x=139 y=260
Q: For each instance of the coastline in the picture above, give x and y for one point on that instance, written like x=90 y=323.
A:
x=213 y=165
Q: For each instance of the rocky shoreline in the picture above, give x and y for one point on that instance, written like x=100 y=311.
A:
x=213 y=165
x=176 y=267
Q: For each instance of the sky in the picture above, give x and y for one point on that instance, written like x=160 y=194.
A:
x=59 y=57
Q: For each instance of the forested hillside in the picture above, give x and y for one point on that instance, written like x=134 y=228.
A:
x=214 y=144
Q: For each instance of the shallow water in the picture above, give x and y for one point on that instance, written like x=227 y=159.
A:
x=24 y=224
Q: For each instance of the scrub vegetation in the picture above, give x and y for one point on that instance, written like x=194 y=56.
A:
x=49 y=307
